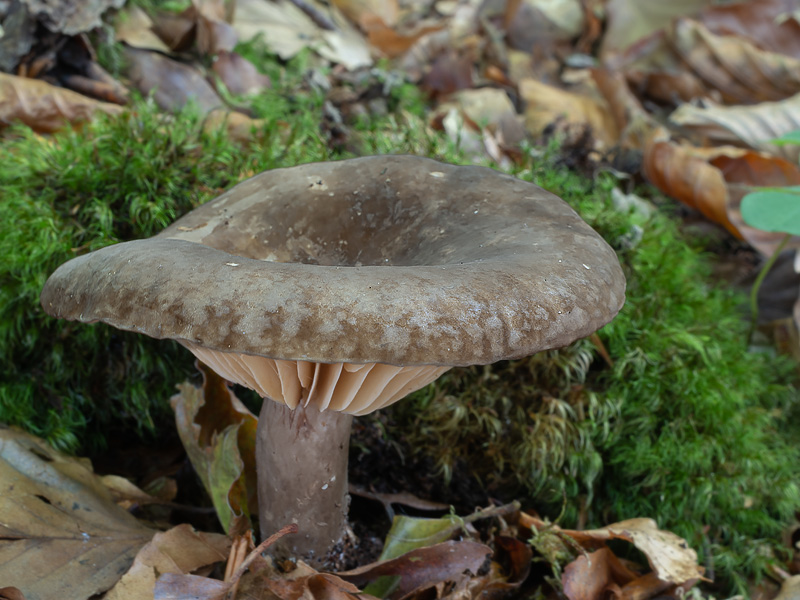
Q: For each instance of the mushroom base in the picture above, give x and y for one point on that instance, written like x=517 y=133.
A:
x=301 y=462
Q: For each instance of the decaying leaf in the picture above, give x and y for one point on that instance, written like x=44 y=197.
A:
x=423 y=568
x=172 y=84
x=547 y=106
x=43 y=107
x=592 y=574
x=631 y=20
x=218 y=433
x=714 y=180
x=134 y=27
x=238 y=74
x=734 y=66
x=62 y=535
x=179 y=550
x=71 y=17
x=753 y=126
x=287 y=30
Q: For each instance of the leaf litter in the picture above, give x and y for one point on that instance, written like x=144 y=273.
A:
x=500 y=79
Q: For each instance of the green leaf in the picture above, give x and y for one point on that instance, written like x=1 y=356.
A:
x=410 y=533
x=218 y=433
x=793 y=137
x=773 y=210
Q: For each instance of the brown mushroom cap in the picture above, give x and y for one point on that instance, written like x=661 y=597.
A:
x=386 y=259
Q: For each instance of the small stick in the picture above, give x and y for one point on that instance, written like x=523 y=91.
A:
x=292 y=528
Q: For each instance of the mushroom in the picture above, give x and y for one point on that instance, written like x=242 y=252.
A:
x=335 y=289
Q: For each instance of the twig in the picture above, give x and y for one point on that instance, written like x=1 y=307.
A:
x=292 y=528
x=315 y=15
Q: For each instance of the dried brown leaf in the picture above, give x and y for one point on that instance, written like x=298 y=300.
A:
x=11 y=593
x=173 y=586
x=591 y=574
x=172 y=84
x=43 y=107
x=134 y=27
x=71 y=17
x=632 y=20
x=424 y=567
x=238 y=74
x=770 y=24
x=681 y=174
x=62 y=535
x=734 y=66
x=180 y=550
x=751 y=126
x=547 y=106
x=287 y=30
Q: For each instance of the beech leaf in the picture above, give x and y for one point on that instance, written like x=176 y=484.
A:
x=62 y=535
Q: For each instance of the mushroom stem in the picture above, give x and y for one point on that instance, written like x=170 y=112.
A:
x=301 y=463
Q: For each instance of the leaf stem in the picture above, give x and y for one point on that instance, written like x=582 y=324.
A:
x=759 y=280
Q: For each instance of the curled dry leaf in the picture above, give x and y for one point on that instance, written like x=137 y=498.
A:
x=770 y=24
x=670 y=557
x=547 y=106
x=180 y=550
x=631 y=20
x=714 y=181
x=592 y=574
x=752 y=126
x=62 y=535
x=172 y=84
x=134 y=27
x=287 y=30
x=739 y=70
x=218 y=433
x=423 y=568
x=43 y=107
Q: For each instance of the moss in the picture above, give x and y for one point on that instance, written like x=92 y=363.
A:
x=687 y=427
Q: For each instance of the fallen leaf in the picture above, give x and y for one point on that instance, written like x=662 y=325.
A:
x=592 y=574
x=11 y=593
x=73 y=17
x=218 y=433
x=319 y=586
x=411 y=533
x=43 y=107
x=734 y=66
x=770 y=24
x=17 y=37
x=746 y=172
x=670 y=556
x=239 y=127
x=238 y=74
x=286 y=30
x=62 y=535
x=180 y=550
x=631 y=20
x=134 y=27
x=423 y=567
x=171 y=586
x=547 y=106
x=790 y=589
x=363 y=11
x=753 y=126
x=172 y=84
